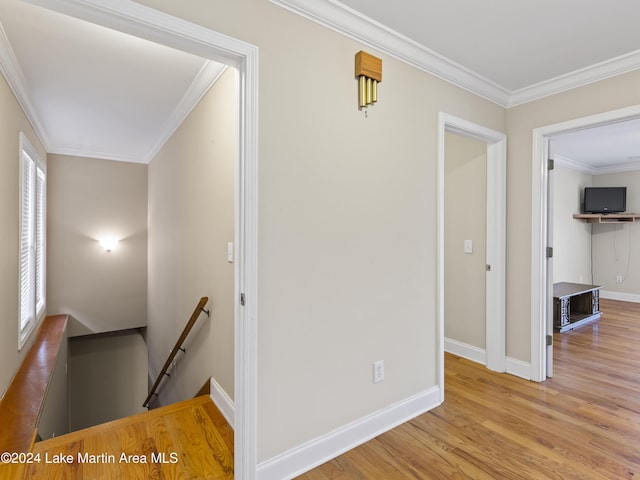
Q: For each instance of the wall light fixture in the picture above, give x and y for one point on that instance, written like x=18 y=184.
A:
x=108 y=243
x=369 y=74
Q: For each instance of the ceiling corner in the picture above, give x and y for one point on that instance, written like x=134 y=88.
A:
x=207 y=76
x=18 y=84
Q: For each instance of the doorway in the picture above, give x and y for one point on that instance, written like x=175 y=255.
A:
x=153 y=25
x=495 y=238
x=542 y=220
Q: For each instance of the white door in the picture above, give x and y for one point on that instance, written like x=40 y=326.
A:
x=549 y=295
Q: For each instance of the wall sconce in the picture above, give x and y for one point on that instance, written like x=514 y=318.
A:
x=369 y=74
x=108 y=243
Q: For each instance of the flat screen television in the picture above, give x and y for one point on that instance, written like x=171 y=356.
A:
x=605 y=200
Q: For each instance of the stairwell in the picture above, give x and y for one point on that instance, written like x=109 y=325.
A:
x=189 y=439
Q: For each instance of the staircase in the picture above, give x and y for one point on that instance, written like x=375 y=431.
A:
x=186 y=440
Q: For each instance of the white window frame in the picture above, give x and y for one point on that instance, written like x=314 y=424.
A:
x=32 y=243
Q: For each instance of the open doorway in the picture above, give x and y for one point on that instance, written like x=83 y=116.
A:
x=495 y=144
x=542 y=225
x=158 y=27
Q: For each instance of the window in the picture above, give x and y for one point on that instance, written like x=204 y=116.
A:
x=33 y=200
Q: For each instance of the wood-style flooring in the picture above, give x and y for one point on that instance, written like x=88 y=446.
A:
x=187 y=441
x=584 y=423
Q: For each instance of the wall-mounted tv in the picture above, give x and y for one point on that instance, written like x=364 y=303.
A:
x=605 y=200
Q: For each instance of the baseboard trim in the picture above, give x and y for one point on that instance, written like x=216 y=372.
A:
x=625 y=297
x=322 y=449
x=464 y=350
x=519 y=368
x=223 y=402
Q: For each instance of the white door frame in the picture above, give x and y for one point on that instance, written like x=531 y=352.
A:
x=540 y=281
x=162 y=28
x=496 y=237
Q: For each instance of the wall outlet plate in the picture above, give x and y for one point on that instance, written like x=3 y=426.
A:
x=378 y=371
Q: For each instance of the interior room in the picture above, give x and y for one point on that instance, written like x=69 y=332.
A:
x=320 y=237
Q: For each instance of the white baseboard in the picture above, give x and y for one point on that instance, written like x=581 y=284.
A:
x=320 y=450
x=223 y=402
x=625 y=297
x=519 y=368
x=464 y=350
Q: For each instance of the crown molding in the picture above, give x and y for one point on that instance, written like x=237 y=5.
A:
x=591 y=170
x=342 y=19
x=17 y=82
x=584 y=76
x=573 y=164
x=11 y=70
x=346 y=21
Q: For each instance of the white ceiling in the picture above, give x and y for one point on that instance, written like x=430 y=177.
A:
x=515 y=44
x=93 y=92
x=604 y=149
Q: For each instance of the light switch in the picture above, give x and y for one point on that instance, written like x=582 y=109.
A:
x=230 y=252
x=468 y=246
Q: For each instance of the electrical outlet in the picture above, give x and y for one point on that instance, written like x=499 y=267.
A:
x=619 y=279
x=378 y=371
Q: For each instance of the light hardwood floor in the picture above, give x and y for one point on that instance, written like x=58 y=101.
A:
x=189 y=440
x=584 y=423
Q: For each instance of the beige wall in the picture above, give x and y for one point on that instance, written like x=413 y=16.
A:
x=191 y=219
x=89 y=198
x=603 y=96
x=12 y=121
x=571 y=238
x=107 y=377
x=347 y=222
x=465 y=219
x=617 y=246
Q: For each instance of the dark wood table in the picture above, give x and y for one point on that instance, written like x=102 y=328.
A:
x=575 y=304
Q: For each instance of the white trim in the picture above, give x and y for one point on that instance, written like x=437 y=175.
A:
x=145 y=22
x=573 y=164
x=622 y=296
x=223 y=402
x=496 y=238
x=322 y=449
x=584 y=76
x=464 y=350
x=539 y=222
x=519 y=368
x=351 y=23
x=590 y=170
x=12 y=72
x=346 y=21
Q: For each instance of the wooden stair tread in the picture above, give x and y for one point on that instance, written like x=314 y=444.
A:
x=185 y=440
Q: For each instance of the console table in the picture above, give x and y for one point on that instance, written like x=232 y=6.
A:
x=574 y=304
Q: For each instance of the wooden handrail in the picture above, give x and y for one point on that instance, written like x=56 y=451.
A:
x=185 y=333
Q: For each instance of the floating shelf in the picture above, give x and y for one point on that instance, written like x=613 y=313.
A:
x=607 y=217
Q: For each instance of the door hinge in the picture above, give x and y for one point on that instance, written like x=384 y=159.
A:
x=242 y=299
x=549 y=340
x=551 y=164
x=549 y=252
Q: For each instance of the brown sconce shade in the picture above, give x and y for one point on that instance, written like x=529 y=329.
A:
x=369 y=74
